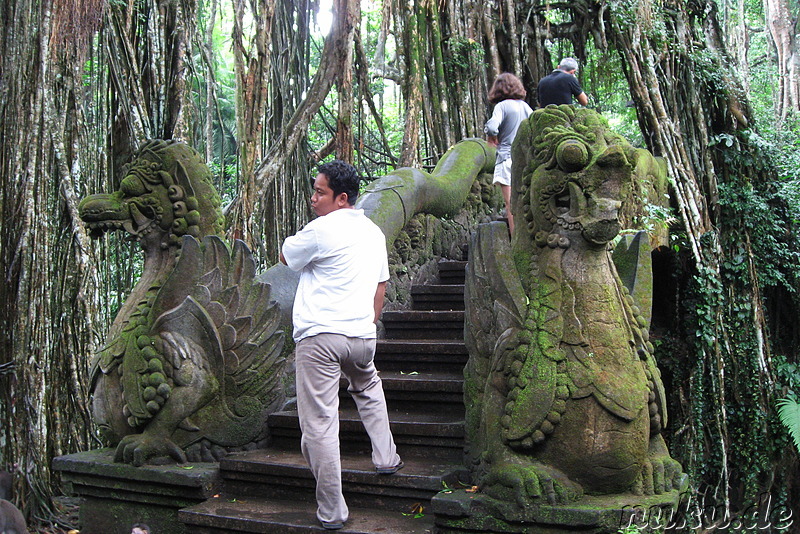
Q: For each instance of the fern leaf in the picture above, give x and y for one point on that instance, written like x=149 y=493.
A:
x=789 y=413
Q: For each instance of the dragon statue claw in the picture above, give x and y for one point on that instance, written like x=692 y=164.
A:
x=137 y=449
x=528 y=484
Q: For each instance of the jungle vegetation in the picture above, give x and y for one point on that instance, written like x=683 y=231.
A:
x=266 y=90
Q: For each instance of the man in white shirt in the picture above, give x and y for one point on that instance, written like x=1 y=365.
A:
x=344 y=268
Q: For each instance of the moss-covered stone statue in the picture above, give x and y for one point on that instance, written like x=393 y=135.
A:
x=192 y=364
x=563 y=395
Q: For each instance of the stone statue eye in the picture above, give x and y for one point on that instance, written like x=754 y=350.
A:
x=572 y=155
x=132 y=186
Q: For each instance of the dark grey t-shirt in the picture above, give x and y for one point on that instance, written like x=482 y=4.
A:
x=558 y=87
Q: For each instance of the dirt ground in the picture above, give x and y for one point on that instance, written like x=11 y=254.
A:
x=65 y=520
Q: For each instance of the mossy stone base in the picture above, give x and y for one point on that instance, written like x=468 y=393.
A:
x=115 y=495
x=460 y=512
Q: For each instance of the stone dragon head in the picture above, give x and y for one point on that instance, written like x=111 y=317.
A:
x=575 y=174
x=157 y=202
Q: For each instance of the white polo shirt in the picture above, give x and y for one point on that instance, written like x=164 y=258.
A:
x=342 y=258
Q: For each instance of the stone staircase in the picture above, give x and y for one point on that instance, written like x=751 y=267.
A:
x=421 y=365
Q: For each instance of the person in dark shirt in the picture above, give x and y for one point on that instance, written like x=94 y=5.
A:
x=561 y=85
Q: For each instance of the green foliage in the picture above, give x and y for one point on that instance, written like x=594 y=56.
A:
x=787 y=375
x=224 y=179
x=462 y=56
x=756 y=227
x=223 y=141
x=643 y=14
x=624 y=12
x=609 y=94
x=759 y=216
x=622 y=119
x=557 y=15
x=789 y=413
x=709 y=69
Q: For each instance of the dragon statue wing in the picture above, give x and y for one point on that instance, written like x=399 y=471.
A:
x=226 y=326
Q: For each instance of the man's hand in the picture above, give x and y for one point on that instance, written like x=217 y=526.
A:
x=492 y=140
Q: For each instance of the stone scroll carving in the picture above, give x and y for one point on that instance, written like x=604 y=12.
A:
x=192 y=363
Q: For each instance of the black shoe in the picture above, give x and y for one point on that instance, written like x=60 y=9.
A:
x=332 y=526
x=390 y=470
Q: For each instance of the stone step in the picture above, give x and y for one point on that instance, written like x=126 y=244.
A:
x=409 y=355
x=417 y=390
x=228 y=513
x=452 y=272
x=437 y=297
x=284 y=474
x=432 y=432
x=417 y=324
x=421 y=366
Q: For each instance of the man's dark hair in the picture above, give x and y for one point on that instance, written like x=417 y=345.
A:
x=506 y=86
x=342 y=178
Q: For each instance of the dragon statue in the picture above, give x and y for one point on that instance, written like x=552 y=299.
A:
x=563 y=395
x=192 y=364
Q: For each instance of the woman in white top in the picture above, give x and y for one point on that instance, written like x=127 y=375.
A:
x=510 y=110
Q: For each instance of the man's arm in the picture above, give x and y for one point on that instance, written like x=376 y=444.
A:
x=379 y=293
x=577 y=90
x=300 y=249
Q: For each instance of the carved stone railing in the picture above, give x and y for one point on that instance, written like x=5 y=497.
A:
x=395 y=202
x=392 y=201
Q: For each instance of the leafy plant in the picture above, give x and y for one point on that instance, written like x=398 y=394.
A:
x=462 y=56
x=789 y=413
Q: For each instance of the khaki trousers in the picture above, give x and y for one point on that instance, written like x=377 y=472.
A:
x=320 y=361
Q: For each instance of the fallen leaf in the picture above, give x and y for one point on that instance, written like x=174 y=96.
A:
x=473 y=489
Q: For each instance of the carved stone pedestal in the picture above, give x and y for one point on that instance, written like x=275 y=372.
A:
x=115 y=496
x=460 y=512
